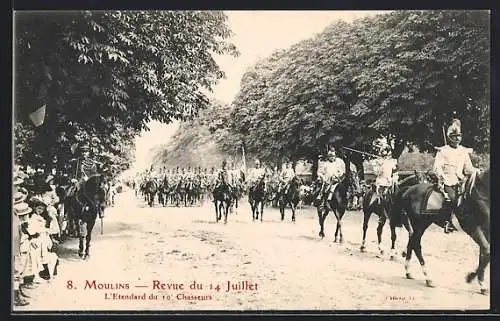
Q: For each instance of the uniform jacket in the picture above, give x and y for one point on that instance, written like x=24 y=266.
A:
x=331 y=169
x=452 y=163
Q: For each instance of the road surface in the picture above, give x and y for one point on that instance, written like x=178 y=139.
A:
x=180 y=259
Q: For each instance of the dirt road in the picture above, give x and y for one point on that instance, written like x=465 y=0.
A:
x=148 y=258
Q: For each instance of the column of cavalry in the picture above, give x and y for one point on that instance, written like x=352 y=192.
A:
x=451 y=188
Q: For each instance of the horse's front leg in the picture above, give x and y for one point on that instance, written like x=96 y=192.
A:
x=216 y=216
x=393 y=239
x=381 y=222
x=261 y=210
x=292 y=206
x=417 y=247
x=409 y=247
x=484 y=258
x=88 y=238
x=366 y=219
x=226 y=211
x=322 y=214
x=80 y=246
x=281 y=205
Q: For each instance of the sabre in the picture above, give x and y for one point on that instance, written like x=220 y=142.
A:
x=357 y=151
x=102 y=226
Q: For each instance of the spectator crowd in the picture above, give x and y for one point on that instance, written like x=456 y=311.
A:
x=38 y=224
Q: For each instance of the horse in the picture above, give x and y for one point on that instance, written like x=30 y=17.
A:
x=222 y=201
x=337 y=204
x=86 y=202
x=256 y=197
x=290 y=196
x=421 y=206
x=162 y=192
x=382 y=206
x=150 y=189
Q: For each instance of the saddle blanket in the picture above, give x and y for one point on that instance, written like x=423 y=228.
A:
x=432 y=202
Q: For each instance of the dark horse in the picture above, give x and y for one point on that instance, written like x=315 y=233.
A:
x=289 y=196
x=150 y=189
x=382 y=207
x=85 y=203
x=338 y=203
x=222 y=201
x=256 y=197
x=420 y=206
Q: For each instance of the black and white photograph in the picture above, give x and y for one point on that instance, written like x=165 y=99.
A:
x=249 y=160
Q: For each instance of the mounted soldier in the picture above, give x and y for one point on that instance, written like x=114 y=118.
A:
x=451 y=165
x=386 y=171
x=88 y=165
x=223 y=176
x=285 y=177
x=330 y=172
x=257 y=174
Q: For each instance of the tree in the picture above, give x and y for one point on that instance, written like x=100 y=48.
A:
x=398 y=75
x=110 y=72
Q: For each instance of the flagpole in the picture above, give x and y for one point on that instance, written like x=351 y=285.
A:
x=244 y=157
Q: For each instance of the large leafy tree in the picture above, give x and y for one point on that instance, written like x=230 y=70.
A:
x=108 y=73
x=400 y=75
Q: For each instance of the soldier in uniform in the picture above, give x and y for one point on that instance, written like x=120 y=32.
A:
x=88 y=165
x=451 y=164
x=330 y=172
x=223 y=176
x=385 y=169
x=285 y=177
x=257 y=174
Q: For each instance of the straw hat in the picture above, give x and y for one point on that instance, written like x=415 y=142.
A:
x=17 y=181
x=19 y=197
x=22 y=209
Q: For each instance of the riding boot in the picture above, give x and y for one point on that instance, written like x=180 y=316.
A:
x=448 y=226
x=320 y=193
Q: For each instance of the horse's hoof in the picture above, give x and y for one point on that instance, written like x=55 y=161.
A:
x=392 y=257
x=362 y=248
x=483 y=291
x=470 y=277
x=321 y=234
x=80 y=254
x=409 y=276
x=429 y=283
x=403 y=254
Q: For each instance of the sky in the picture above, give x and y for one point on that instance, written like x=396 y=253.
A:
x=257 y=34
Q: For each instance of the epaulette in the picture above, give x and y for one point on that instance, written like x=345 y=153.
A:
x=439 y=147
x=467 y=149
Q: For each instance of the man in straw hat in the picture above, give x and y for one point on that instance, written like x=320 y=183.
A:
x=451 y=165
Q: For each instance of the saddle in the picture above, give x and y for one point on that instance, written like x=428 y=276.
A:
x=433 y=201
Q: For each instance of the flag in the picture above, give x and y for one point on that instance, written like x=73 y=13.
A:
x=38 y=116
